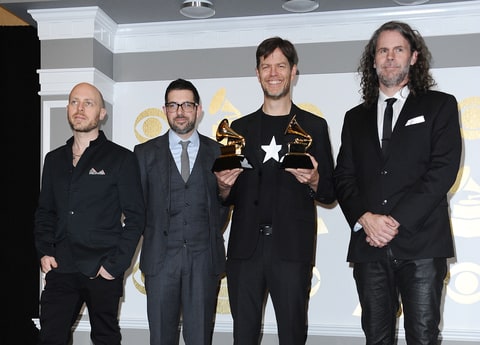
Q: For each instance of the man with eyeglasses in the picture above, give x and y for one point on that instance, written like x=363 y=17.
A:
x=183 y=251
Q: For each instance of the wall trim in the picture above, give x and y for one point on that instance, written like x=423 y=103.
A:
x=60 y=81
x=313 y=330
x=46 y=120
x=81 y=22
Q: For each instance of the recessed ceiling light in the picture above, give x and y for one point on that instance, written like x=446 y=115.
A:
x=300 y=5
x=197 y=9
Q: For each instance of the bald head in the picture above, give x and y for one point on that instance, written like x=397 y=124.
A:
x=86 y=108
x=87 y=88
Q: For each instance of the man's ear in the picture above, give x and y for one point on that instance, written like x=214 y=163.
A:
x=294 y=71
x=103 y=113
x=413 y=60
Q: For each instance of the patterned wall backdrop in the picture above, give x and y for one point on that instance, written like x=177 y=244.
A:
x=138 y=116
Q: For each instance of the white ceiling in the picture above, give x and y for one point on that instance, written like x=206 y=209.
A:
x=146 y=11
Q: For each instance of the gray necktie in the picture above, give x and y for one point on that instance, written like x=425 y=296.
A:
x=185 y=162
x=387 y=123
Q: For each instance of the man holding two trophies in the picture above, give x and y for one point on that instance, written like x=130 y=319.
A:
x=272 y=242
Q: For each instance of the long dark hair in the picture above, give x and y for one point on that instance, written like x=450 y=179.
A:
x=419 y=76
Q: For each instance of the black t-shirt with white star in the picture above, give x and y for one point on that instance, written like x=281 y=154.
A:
x=273 y=146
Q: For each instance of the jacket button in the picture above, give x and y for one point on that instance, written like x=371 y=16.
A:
x=384 y=202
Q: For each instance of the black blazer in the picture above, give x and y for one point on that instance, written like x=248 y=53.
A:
x=294 y=218
x=155 y=166
x=411 y=183
x=79 y=214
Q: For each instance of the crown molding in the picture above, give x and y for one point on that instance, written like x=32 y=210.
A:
x=431 y=20
x=61 y=81
x=77 y=22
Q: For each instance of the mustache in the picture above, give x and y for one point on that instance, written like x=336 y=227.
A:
x=390 y=65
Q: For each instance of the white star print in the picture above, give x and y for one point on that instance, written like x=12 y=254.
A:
x=271 y=150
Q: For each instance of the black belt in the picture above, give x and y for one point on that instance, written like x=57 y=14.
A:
x=266 y=229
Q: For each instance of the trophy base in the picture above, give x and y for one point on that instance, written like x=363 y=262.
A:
x=231 y=162
x=297 y=161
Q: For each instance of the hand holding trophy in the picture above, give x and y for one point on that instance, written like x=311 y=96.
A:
x=296 y=156
x=231 y=156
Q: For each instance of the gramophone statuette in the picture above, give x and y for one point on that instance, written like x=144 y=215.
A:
x=231 y=156
x=297 y=157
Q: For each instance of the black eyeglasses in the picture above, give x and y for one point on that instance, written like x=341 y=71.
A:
x=187 y=107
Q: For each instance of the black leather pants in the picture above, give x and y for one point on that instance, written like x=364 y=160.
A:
x=419 y=284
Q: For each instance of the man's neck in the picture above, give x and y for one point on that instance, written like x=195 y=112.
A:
x=392 y=90
x=81 y=140
x=277 y=107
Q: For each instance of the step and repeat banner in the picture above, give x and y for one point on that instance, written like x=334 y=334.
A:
x=137 y=116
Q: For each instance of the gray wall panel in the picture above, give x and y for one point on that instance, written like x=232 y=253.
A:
x=76 y=53
x=315 y=58
x=191 y=64
x=329 y=57
x=102 y=59
x=455 y=51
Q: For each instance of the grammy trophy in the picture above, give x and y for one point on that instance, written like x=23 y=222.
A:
x=296 y=156
x=231 y=156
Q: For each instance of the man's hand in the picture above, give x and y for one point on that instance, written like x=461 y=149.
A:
x=226 y=179
x=307 y=176
x=47 y=263
x=104 y=274
x=380 y=229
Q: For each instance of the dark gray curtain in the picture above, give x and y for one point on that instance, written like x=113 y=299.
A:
x=20 y=119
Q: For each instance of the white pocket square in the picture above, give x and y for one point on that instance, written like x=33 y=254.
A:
x=95 y=172
x=415 y=120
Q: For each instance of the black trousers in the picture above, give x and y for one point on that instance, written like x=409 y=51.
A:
x=62 y=298
x=419 y=284
x=288 y=283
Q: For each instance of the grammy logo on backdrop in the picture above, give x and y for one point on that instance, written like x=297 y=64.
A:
x=231 y=156
x=296 y=156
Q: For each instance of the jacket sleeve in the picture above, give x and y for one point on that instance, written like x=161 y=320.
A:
x=346 y=185
x=45 y=214
x=325 y=193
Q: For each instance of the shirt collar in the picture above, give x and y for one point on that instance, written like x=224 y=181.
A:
x=401 y=95
x=174 y=139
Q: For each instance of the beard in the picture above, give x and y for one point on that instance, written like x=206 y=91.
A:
x=396 y=79
x=188 y=127
x=84 y=128
x=275 y=96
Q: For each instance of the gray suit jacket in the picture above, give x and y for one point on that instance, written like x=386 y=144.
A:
x=155 y=162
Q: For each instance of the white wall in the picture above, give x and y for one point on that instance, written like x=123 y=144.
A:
x=334 y=301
